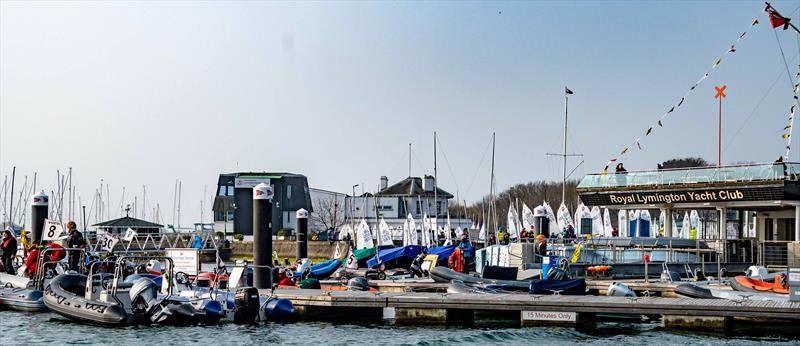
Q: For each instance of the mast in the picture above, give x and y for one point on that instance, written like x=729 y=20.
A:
x=435 y=177
x=564 y=172
x=491 y=189
x=69 y=198
x=11 y=202
x=180 y=185
x=175 y=202
x=409 y=159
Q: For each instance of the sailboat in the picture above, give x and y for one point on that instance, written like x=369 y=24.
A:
x=364 y=239
x=513 y=223
x=597 y=221
x=384 y=234
x=608 y=229
x=528 y=221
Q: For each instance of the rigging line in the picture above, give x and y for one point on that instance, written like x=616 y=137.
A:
x=446 y=161
x=477 y=169
x=785 y=64
x=758 y=105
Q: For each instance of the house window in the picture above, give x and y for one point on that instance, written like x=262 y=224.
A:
x=288 y=192
x=230 y=190
x=419 y=207
x=438 y=208
x=221 y=192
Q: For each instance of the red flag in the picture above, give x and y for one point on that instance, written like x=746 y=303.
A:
x=776 y=19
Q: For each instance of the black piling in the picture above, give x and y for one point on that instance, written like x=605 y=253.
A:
x=302 y=233
x=262 y=235
x=39 y=206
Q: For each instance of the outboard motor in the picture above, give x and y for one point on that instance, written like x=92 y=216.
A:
x=618 y=289
x=357 y=284
x=246 y=305
x=144 y=295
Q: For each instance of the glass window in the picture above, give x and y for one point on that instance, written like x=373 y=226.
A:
x=221 y=192
x=230 y=190
x=288 y=192
x=419 y=207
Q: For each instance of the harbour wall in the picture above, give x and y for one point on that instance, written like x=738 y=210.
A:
x=288 y=248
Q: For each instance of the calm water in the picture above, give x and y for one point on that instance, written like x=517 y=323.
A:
x=50 y=328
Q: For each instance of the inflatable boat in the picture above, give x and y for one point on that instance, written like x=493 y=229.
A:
x=445 y=275
x=325 y=269
x=696 y=291
x=745 y=284
x=22 y=299
x=569 y=287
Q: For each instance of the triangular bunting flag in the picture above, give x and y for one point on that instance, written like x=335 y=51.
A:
x=681 y=102
x=660 y=124
x=670 y=110
x=647 y=133
x=719 y=61
x=624 y=151
x=755 y=21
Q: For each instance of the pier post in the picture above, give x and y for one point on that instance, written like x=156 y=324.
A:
x=723 y=234
x=39 y=206
x=262 y=235
x=797 y=224
x=302 y=233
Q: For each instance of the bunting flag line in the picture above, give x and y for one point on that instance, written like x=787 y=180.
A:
x=660 y=120
x=787 y=135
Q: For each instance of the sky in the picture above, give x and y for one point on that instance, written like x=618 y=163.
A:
x=146 y=93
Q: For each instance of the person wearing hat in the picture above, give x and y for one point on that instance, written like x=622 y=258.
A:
x=541 y=245
x=74 y=241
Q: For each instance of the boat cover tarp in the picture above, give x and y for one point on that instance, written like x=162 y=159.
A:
x=324 y=270
x=395 y=253
x=572 y=287
x=499 y=273
x=443 y=252
x=444 y=274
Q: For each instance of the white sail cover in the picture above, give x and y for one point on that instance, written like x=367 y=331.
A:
x=364 y=240
x=582 y=212
x=597 y=221
x=385 y=233
x=410 y=232
x=527 y=218
x=695 y=220
x=662 y=222
x=552 y=217
x=622 y=227
x=482 y=232
x=686 y=226
x=608 y=229
x=513 y=222
x=644 y=218
x=351 y=263
x=345 y=230
x=564 y=218
x=675 y=217
x=337 y=253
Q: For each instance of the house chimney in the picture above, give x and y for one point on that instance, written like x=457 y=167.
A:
x=384 y=183
x=427 y=183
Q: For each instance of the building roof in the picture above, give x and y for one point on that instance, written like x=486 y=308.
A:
x=411 y=187
x=127 y=221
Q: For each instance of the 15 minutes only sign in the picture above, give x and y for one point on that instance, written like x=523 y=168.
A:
x=549 y=316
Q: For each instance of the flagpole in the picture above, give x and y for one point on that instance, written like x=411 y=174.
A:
x=719 y=135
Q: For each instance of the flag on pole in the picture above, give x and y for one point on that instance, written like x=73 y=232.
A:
x=776 y=19
x=567 y=91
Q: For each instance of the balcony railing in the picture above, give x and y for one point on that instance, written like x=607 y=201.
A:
x=699 y=175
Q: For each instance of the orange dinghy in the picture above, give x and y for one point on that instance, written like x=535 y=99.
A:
x=745 y=284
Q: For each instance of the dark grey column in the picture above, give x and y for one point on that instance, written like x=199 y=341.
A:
x=302 y=233
x=262 y=235
x=39 y=206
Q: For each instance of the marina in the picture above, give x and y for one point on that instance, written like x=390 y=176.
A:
x=353 y=173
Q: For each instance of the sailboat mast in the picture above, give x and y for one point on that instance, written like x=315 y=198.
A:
x=409 y=159
x=435 y=178
x=564 y=176
x=491 y=187
x=11 y=202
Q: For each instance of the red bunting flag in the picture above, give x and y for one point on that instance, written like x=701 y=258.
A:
x=776 y=19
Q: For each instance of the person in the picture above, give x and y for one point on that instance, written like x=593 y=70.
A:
x=416 y=264
x=621 y=175
x=468 y=252
x=614 y=232
x=523 y=234
x=541 y=245
x=74 y=241
x=9 y=249
x=56 y=254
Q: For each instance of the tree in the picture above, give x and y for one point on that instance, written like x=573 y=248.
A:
x=687 y=162
x=328 y=213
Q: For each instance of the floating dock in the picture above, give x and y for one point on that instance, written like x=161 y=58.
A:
x=527 y=309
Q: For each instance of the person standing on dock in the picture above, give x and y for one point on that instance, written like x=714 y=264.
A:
x=9 y=249
x=74 y=241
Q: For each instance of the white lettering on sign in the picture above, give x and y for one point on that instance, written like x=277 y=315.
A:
x=549 y=316
x=249 y=182
x=185 y=260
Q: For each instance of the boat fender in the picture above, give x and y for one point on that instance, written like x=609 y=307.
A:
x=279 y=310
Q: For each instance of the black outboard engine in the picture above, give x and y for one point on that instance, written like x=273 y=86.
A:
x=358 y=284
x=144 y=298
x=246 y=305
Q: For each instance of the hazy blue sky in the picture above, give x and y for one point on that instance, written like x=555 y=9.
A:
x=143 y=93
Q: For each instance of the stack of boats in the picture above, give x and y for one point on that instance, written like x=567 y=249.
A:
x=758 y=284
